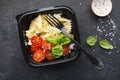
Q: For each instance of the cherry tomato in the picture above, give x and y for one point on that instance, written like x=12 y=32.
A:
x=66 y=50
x=35 y=48
x=47 y=45
x=38 y=56
x=36 y=40
x=49 y=56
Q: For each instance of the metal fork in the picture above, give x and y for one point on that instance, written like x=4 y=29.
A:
x=53 y=21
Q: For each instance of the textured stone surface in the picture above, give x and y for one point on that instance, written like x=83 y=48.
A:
x=13 y=66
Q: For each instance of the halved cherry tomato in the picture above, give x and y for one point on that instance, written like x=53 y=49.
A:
x=47 y=45
x=36 y=40
x=40 y=49
x=66 y=50
x=35 y=48
x=38 y=56
x=49 y=56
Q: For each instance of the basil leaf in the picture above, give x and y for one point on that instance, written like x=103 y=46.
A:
x=52 y=40
x=91 y=40
x=57 y=51
x=105 y=44
x=61 y=39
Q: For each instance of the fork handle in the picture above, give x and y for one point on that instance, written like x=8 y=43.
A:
x=94 y=60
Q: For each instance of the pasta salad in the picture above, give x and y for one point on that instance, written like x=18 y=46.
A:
x=46 y=41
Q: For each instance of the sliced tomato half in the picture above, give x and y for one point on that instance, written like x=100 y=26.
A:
x=38 y=56
x=47 y=45
x=66 y=50
x=36 y=41
x=49 y=56
x=35 y=48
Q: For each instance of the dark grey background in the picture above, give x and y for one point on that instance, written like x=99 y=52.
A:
x=13 y=66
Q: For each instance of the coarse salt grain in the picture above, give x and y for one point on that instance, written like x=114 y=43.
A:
x=113 y=34
x=118 y=51
x=109 y=52
x=80 y=3
x=106 y=34
x=101 y=22
x=109 y=23
x=93 y=49
x=111 y=39
x=110 y=61
x=103 y=29
x=114 y=31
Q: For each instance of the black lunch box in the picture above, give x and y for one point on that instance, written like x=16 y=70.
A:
x=24 y=21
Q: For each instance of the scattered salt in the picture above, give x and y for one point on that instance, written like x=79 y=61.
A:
x=110 y=27
x=97 y=26
x=114 y=31
x=93 y=49
x=113 y=35
x=118 y=51
x=111 y=39
x=106 y=25
x=106 y=34
x=103 y=29
x=114 y=27
x=101 y=22
x=109 y=52
x=109 y=34
x=80 y=3
x=112 y=22
x=110 y=61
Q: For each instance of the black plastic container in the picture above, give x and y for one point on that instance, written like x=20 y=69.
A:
x=24 y=21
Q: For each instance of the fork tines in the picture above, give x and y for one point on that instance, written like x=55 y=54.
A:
x=53 y=21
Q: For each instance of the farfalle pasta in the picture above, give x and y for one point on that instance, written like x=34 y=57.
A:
x=40 y=26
